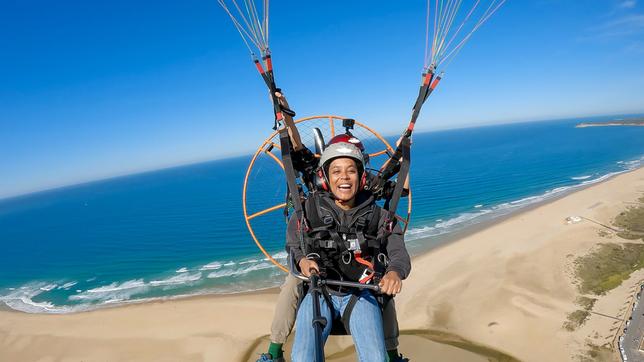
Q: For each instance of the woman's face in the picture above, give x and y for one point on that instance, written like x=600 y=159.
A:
x=343 y=180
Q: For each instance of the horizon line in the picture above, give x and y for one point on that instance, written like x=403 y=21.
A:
x=243 y=153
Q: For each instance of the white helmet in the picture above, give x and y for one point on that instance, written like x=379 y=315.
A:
x=341 y=149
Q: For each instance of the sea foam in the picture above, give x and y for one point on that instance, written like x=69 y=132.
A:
x=48 y=287
x=211 y=266
x=68 y=285
x=585 y=177
x=22 y=300
x=177 y=279
x=239 y=271
x=114 y=290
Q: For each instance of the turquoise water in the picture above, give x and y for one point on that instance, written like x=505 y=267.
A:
x=181 y=231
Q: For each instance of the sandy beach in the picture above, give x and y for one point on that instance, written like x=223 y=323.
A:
x=506 y=288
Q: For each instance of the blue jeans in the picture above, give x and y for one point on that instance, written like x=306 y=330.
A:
x=365 y=326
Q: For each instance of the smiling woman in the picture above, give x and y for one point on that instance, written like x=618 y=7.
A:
x=343 y=181
x=347 y=237
x=342 y=165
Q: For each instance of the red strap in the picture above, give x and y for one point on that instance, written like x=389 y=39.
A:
x=367 y=278
x=359 y=259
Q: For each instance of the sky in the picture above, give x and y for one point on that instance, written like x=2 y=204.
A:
x=92 y=90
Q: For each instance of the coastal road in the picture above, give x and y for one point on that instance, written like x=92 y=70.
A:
x=633 y=338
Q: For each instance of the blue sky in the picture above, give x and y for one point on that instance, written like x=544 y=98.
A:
x=90 y=90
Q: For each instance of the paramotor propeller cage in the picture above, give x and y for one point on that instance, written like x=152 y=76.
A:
x=263 y=196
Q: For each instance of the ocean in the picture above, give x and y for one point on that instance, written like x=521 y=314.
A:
x=181 y=231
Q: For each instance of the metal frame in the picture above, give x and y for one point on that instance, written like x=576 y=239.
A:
x=266 y=148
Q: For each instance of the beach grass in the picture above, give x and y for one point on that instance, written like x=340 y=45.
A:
x=631 y=221
x=586 y=302
x=577 y=318
x=609 y=264
x=606 y=267
x=597 y=353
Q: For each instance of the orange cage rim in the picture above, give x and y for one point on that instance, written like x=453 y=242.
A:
x=264 y=147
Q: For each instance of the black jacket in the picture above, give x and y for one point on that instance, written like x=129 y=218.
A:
x=394 y=246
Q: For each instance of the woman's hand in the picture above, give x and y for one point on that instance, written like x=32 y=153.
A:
x=306 y=265
x=391 y=283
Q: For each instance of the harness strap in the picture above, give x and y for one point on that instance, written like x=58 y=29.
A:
x=340 y=244
x=294 y=191
x=327 y=244
x=346 y=316
x=423 y=93
x=402 y=176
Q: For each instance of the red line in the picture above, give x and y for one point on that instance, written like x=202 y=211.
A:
x=428 y=76
x=435 y=83
x=259 y=67
x=269 y=63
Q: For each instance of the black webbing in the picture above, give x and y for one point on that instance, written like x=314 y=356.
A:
x=287 y=161
x=269 y=78
x=402 y=176
x=423 y=93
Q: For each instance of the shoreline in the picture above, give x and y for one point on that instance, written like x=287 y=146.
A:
x=503 y=287
x=470 y=230
x=432 y=243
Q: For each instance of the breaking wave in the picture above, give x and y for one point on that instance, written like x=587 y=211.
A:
x=585 y=177
x=211 y=266
x=138 y=290
x=183 y=278
x=239 y=271
x=21 y=299
x=113 y=291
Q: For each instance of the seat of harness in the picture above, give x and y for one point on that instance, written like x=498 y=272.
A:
x=340 y=322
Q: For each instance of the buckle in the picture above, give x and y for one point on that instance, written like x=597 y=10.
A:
x=327 y=244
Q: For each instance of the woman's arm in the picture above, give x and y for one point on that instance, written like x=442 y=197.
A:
x=399 y=260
